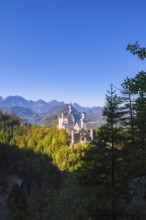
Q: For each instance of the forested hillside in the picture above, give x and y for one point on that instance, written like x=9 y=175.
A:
x=43 y=178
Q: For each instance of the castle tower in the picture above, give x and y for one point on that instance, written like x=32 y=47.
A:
x=70 y=108
x=83 y=121
x=61 y=121
x=91 y=134
x=72 y=137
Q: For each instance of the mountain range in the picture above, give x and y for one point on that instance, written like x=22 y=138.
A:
x=46 y=113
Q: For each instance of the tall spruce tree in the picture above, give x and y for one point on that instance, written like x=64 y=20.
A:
x=128 y=109
x=110 y=137
x=138 y=87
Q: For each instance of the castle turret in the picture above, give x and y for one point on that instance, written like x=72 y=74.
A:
x=83 y=121
x=70 y=108
x=83 y=115
x=91 y=134
x=61 y=121
x=72 y=137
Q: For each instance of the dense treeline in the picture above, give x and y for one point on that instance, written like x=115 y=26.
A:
x=41 y=177
x=120 y=167
x=46 y=141
x=35 y=156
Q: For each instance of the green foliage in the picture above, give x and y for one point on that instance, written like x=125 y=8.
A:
x=136 y=49
x=136 y=109
x=8 y=126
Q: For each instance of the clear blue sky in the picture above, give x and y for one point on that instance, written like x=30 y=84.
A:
x=68 y=49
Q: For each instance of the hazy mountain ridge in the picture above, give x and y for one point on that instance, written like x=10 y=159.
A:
x=46 y=113
x=38 y=106
x=1 y=98
x=26 y=114
x=87 y=109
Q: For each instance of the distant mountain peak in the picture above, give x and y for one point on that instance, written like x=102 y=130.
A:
x=1 y=99
x=39 y=106
x=54 y=101
x=15 y=97
x=40 y=100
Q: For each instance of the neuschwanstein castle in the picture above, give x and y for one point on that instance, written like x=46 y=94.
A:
x=76 y=126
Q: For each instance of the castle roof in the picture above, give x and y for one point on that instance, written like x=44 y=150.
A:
x=74 y=115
